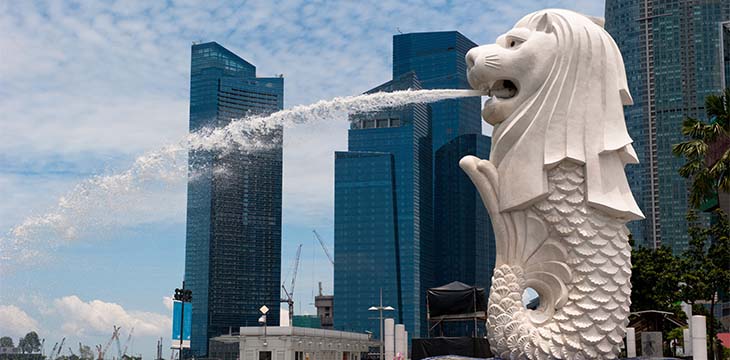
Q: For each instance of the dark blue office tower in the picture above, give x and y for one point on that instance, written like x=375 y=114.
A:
x=462 y=224
x=401 y=170
x=464 y=244
x=233 y=246
x=437 y=58
x=383 y=217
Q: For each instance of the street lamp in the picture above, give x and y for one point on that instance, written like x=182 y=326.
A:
x=183 y=295
x=381 y=308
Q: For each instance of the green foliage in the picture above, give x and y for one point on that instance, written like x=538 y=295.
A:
x=85 y=352
x=676 y=334
x=706 y=181
x=655 y=275
x=30 y=343
x=6 y=341
x=21 y=357
x=707 y=269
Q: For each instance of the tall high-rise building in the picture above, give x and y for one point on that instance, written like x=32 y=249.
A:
x=400 y=170
x=672 y=53
x=437 y=58
x=383 y=215
x=233 y=245
x=464 y=236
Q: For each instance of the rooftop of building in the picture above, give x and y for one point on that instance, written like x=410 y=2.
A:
x=222 y=49
x=291 y=331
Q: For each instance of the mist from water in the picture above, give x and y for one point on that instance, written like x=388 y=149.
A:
x=107 y=201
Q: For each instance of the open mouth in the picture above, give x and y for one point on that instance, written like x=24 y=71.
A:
x=503 y=89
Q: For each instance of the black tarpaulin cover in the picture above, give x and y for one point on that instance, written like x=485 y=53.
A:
x=456 y=298
x=463 y=346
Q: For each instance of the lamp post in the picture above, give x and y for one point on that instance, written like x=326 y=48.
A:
x=380 y=308
x=262 y=320
x=183 y=295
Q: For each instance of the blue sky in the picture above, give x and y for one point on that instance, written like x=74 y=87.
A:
x=85 y=87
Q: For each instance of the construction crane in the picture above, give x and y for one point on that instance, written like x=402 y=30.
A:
x=102 y=351
x=126 y=344
x=60 y=347
x=119 y=348
x=290 y=293
x=324 y=247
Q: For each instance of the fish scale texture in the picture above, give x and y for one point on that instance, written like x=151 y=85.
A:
x=591 y=323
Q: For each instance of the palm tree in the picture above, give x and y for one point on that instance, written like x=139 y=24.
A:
x=711 y=266
x=706 y=180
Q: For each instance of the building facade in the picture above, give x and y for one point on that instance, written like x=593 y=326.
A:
x=233 y=239
x=383 y=215
x=464 y=236
x=672 y=51
x=406 y=216
x=290 y=343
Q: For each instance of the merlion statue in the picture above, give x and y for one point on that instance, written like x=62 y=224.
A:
x=555 y=187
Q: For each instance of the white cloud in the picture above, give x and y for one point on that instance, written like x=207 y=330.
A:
x=15 y=322
x=82 y=79
x=96 y=317
x=85 y=87
x=167 y=301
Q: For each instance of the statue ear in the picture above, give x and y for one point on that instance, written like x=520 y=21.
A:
x=545 y=23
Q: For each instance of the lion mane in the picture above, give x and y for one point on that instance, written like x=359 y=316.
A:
x=576 y=114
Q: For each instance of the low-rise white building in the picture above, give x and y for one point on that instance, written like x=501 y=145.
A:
x=290 y=343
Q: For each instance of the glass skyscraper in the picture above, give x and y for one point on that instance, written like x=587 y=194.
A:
x=437 y=58
x=672 y=53
x=383 y=216
x=464 y=236
x=233 y=245
x=400 y=170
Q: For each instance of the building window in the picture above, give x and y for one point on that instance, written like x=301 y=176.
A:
x=264 y=355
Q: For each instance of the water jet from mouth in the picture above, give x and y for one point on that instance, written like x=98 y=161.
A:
x=103 y=201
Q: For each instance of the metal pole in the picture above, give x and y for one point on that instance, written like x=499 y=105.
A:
x=182 y=319
x=382 y=337
x=474 y=299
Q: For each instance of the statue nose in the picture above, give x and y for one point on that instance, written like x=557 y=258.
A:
x=471 y=56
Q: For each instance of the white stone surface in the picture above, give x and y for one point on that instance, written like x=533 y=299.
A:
x=401 y=343
x=687 y=342
x=687 y=334
x=405 y=350
x=555 y=186
x=389 y=338
x=630 y=342
x=699 y=338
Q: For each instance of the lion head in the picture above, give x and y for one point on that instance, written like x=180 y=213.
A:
x=558 y=86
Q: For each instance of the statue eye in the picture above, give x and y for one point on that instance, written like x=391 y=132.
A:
x=514 y=42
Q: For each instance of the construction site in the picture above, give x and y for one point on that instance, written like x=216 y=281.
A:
x=324 y=304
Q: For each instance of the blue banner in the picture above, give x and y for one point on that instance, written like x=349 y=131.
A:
x=179 y=319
